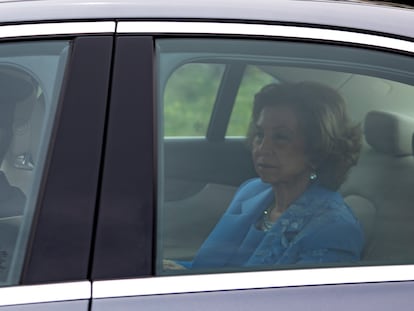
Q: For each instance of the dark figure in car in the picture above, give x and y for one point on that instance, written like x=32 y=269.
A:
x=14 y=88
x=302 y=146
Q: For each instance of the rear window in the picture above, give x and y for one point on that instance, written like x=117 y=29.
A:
x=30 y=83
x=307 y=160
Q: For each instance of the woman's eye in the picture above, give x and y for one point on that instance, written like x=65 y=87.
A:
x=258 y=138
x=259 y=135
x=281 y=138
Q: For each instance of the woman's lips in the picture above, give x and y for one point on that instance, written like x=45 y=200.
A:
x=265 y=165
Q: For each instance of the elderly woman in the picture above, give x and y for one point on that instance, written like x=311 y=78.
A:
x=302 y=147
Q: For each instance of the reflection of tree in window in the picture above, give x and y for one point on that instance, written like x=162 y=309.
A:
x=189 y=98
x=254 y=79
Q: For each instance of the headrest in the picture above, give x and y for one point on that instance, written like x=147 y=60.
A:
x=412 y=143
x=389 y=132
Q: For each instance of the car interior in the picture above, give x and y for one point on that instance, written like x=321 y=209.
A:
x=201 y=174
x=29 y=88
x=19 y=158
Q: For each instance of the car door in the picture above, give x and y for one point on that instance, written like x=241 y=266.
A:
x=54 y=91
x=159 y=189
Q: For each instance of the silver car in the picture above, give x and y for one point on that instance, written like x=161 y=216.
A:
x=123 y=142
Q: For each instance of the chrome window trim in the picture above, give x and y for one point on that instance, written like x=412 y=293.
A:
x=249 y=280
x=45 y=29
x=27 y=294
x=264 y=30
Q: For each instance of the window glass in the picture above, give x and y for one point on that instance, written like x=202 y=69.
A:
x=324 y=176
x=189 y=97
x=254 y=78
x=30 y=81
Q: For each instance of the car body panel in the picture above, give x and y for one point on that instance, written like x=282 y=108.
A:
x=108 y=228
x=76 y=305
x=375 y=296
x=60 y=296
x=339 y=14
x=47 y=29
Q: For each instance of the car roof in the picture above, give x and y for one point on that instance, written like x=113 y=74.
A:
x=369 y=16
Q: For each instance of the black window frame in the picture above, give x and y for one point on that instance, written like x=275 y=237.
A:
x=124 y=236
x=62 y=231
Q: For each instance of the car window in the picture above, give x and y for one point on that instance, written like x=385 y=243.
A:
x=253 y=79
x=323 y=177
x=189 y=97
x=30 y=82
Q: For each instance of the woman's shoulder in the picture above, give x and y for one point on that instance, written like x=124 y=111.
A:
x=320 y=193
x=326 y=205
x=332 y=222
x=329 y=207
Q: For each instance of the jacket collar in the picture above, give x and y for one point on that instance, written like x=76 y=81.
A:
x=301 y=206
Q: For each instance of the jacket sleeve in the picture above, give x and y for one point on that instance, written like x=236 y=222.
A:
x=229 y=232
x=334 y=242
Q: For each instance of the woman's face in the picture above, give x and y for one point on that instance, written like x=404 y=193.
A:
x=278 y=147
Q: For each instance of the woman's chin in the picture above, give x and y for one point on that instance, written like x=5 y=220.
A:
x=268 y=179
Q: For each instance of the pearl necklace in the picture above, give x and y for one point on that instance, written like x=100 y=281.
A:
x=265 y=223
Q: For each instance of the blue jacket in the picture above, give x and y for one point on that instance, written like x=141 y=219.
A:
x=318 y=227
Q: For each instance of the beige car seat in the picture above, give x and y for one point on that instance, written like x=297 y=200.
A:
x=380 y=189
